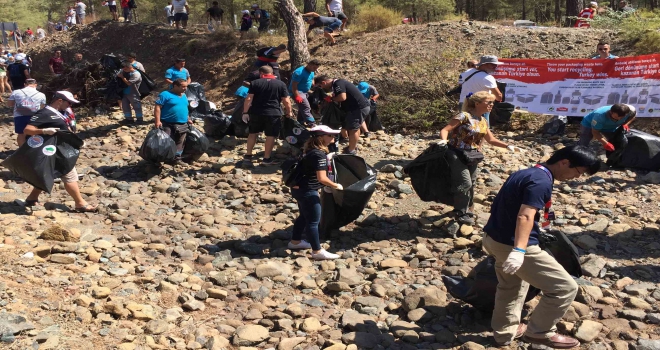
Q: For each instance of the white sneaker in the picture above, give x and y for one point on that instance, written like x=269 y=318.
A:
x=324 y=255
x=302 y=245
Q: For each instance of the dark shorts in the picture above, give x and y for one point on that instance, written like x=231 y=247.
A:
x=180 y=17
x=170 y=18
x=354 y=118
x=339 y=14
x=269 y=124
x=20 y=123
x=17 y=83
x=112 y=8
x=332 y=27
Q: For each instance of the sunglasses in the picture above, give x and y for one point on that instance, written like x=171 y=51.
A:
x=604 y=49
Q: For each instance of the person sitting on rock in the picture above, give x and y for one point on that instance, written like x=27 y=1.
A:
x=329 y=24
x=171 y=113
x=512 y=237
x=262 y=112
x=314 y=167
x=269 y=56
x=48 y=121
x=465 y=134
x=603 y=122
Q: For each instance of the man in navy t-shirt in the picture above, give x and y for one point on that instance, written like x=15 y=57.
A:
x=512 y=237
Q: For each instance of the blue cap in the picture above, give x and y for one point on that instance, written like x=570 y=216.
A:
x=363 y=86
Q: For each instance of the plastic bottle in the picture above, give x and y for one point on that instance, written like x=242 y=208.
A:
x=624 y=97
x=557 y=98
x=575 y=97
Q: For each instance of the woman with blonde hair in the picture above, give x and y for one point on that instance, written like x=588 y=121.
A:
x=314 y=167
x=464 y=135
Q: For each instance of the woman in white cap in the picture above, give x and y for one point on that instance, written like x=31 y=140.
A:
x=48 y=121
x=314 y=166
x=246 y=23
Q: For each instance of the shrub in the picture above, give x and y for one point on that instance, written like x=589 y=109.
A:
x=371 y=18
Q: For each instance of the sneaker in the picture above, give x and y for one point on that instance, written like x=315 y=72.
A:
x=365 y=135
x=465 y=219
x=343 y=140
x=268 y=162
x=324 y=255
x=302 y=245
x=127 y=121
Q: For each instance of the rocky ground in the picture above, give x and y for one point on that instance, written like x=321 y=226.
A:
x=195 y=257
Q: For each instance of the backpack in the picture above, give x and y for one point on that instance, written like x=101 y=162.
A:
x=265 y=14
x=292 y=172
x=132 y=4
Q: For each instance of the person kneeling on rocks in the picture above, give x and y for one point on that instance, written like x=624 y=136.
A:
x=466 y=133
x=48 y=121
x=603 y=122
x=314 y=166
x=171 y=113
x=512 y=237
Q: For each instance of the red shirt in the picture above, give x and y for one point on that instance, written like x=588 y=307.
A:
x=58 y=64
x=124 y=3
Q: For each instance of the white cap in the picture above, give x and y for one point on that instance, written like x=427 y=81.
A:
x=593 y=3
x=324 y=130
x=20 y=56
x=245 y=12
x=67 y=96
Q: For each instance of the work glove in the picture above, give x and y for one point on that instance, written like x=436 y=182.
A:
x=327 y=189
x=50 y=131
x=626 y=128
x=246 y=118
x=339 y=187
x=513 y=262
x=609 y=147
x=442 y=143
x=514 y=149
x=298 y=99
x=328 y=99
x=331 y=155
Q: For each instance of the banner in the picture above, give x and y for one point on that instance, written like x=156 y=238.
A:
x=577 y=87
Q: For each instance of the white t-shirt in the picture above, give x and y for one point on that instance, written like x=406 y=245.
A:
x=481 y=81
x=41 y=33
x=179 y=6
x=168 y=11
x=27 y=101
x=112 y=3
x=336 y=5
x=80 y=8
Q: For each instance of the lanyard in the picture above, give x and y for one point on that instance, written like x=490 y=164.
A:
x=548 y=212
x=545 y=170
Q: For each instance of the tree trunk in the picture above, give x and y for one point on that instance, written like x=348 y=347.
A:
x=572 y=9
x=295 y=32
x=524 y=10
x=310 y=6
x=557 y=11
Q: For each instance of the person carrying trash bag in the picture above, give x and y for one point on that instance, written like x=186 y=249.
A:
x=49 y=121
x=314 y=167
x=171 y=113
x=602 y=123
x=464 y=135
x=512 y=237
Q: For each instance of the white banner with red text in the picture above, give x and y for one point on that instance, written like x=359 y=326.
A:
x=576 y=87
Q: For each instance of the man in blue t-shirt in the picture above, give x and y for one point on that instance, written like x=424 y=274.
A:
x=512 y=237
x=603 y=49
x=302 y=80
x=177 y=71
x=171 y=113
x=604 y=121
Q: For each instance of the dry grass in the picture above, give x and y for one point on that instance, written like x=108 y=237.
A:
x=371 y=18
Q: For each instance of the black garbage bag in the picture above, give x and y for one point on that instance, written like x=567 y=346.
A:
x=113 y=89
x=332 y=116
x=68 y=151
x=111 y=64
x=238 y=128
x=147 y=85
x=634 y=149
x=340 y=208
x=294 y=133
x=479 y=287
x=501 y=113
x=316 y=98
x=430 y=175
x=195 y=92
x=372 y=120
x=198 y=106
x=34 y=161
x=158 y=147
x=555 y=126
x=196 y=144
x=216 y=124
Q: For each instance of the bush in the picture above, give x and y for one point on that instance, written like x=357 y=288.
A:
x=371 y=18
x=639 y=28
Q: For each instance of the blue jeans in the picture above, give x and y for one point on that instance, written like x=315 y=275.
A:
x=309 y=205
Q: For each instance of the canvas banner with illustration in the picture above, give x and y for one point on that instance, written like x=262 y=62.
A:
x=578 y=86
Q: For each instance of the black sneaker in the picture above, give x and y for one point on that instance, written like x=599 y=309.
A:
x=268 y=162
x=343 y=140
x=465 y=219
x=365 y=135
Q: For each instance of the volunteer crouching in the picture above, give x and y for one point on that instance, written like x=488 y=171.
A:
x=466 y=133
x=512 y=237
x=48 y=121
x=315 y=167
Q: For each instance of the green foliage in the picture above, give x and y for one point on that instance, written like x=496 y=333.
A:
x=440 y=7
x=639 y=28
x=371 y=18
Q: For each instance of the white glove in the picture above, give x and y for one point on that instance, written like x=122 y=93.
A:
x=339 y=187
x=331 y=155
x=246 y=118
x=513 y=262
x=514 y=149
x=327 y=189
x=50 y=131
x=442 y=143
